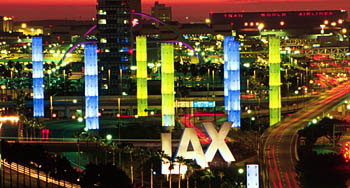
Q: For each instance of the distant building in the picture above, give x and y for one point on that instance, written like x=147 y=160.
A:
x=161 y=12
x=6 y=24
x=115 y=42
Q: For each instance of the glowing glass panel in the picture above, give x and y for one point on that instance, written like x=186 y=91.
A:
x=38 y=75
x=274 y=80
x=168 y=110
x=91 y=87
x=141 y=75
x=232 y=80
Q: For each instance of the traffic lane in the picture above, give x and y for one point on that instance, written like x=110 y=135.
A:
x=286 y=157
x=288 y=178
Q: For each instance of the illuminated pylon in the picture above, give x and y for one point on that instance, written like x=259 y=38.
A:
x=168 y=110
x=232 y=80
x=141 y=75
x=38 y=77
x=274 y=80
x=91 y=87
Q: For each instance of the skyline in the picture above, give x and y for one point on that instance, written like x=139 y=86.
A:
x=182 y=10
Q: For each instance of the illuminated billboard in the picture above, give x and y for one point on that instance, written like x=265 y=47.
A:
x=252 y=176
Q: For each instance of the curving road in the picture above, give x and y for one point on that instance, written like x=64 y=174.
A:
x=280 y=142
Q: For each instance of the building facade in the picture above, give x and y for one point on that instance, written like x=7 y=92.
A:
x=6 y=24
x=115 y=41
x=161 y=12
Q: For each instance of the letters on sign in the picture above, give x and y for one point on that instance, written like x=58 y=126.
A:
x=189 y=136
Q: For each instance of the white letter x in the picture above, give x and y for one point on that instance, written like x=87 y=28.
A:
x=218 y=142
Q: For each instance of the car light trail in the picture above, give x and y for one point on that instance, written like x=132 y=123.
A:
x=271 y=171
x=289 y=185
x=274 y=161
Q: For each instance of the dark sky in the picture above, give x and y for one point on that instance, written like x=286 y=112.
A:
x=196 y=10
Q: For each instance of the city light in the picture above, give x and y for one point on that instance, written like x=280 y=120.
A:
x=80 y=119
x=109 y=137
x=346 y=151
x=134 y=68
x=9 y=118
x=23 y=25
x=207 y=21
x=261 y=26
x=340 y=21
x=344 y=30
x=135 y=22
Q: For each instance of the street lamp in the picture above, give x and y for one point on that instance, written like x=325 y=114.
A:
x=109 y=137
x=80 y=119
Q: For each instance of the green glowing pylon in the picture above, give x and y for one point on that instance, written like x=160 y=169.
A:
x=275 y=80
x=168 y=110
x=141 y=75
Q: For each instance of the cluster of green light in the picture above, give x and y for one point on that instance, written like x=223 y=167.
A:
x=168 y=110
x=141 y=75
x=275 y=80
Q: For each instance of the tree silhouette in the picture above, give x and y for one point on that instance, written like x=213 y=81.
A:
x=322 y=171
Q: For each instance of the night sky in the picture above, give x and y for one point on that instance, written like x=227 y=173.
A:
x=195 y=10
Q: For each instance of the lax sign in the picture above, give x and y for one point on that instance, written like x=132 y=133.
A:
x=188 y=137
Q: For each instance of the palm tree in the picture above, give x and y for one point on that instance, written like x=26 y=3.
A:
x=171 y=166
x=207 y=175
x=180 y=160
x=113 y=146
x=192 y=167
x=104 y=146
x=130 y=149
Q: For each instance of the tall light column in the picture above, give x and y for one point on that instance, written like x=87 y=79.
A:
x=38 y=77
x=91 y=87
x=226 y=80
x=274 y=80
x=168 y=110
x=141 y=75
x=232 y=80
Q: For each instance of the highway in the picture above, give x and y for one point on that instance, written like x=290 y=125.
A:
x=279 y=143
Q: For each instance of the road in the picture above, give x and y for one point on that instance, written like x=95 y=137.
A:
x=280 y=141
